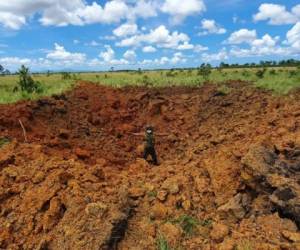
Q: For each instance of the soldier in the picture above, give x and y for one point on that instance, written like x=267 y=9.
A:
x=150 y=145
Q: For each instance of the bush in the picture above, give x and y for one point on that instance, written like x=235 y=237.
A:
x=26 y=83
x=272 y=72
x=260 y=73
x=205 y=71
x=66 y=76
x=223 y=90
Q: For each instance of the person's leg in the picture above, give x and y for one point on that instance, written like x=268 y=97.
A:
x=146 y=153
x=154 y=156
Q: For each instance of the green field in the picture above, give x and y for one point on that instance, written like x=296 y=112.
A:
x=279 y=80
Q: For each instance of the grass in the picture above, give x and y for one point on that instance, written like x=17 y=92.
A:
x=188 y=224
x=4 y=141
x=162 y=243
x=279 y=80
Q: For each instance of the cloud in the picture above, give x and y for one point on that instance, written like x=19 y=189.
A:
x=277 y=14
x=93 y=43
x=242 y=36
x=160 y=37
x=293 y=37
x=108 y=57
x=220 y=56
x=14 y=14
x=60 y=54
x=179 y=9
x=199 y=48
x=125 y=30
x=14 y=61
x=211 y=27
x=177 y=58
x=130 y=55
x=149 y=49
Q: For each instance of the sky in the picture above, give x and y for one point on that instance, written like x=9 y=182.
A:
x=96 y=35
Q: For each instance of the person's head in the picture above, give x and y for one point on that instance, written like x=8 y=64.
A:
x=149 y=129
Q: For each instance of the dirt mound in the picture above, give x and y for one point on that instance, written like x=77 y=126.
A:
x=228 y=178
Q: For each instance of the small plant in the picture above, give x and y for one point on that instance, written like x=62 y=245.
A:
x=65 y=76
x=260 y=73
x=171 y=74
x=292 y=73
x=26 y=83
x=4 y=141
x=246 y=73
x=205 y=71
x=272 y=72
x=152 y=194
x=105 y=76
x=223 y=90
x=162 y=243
x=187 y=223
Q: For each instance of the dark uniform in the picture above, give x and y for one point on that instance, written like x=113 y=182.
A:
x=150 y=145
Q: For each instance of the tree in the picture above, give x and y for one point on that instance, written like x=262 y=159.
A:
x=26 y=82
x=205 y=71
x=1 y=69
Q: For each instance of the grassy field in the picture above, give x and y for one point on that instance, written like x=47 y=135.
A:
x=279 y=80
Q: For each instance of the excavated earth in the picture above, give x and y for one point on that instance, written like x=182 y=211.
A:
x=229 y=173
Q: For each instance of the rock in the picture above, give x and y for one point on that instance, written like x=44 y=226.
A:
x=275 y=172
x=136 y=192
x=159 y=211
x=219 y=232
x=171 y=232
x=96 y=209
x=291 y=236
x=82 y=153
x=236 y=208
x=162 y=195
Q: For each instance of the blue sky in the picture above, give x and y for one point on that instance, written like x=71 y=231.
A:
x=128 y=34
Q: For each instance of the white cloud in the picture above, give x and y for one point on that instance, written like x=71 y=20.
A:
x=199 y=48
x=60 y=54
x=177 y=58
x=75 y=41
x=14 y=61
x=149 y=49
x=220 y=56
x=242 y=36
x=107 y=55
x=211 y=27
x=130 y=55
x=293 y=37
x=160 y=37
x=185 y=46
x=15 y=13
x=179 y=9
x=125 y=30
x=277 y=14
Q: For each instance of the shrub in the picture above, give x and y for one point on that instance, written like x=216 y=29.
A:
x=223 y=90
x=4 y=141
x=272 y=72
x=66 y=76
x=26 y=82
x=205 y=71
x=292 y=73
x=260 y=73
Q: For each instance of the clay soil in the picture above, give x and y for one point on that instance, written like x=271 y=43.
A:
x=79 y=181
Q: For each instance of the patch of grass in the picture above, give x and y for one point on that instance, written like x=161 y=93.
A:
x=162 y=243
x=244 y=245
x=224 y=90
x=187 y=223
x=282 y=82
x=4 y=141
x=151 y=194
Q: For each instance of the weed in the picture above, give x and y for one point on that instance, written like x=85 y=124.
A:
x=272 y=72
x=152 y=194
x=223 y=90
x=4 y=141
x=205 y=71
x=162 y=243
x=66 y=76
x=187 y=223
x=260 y=73
x=26 y=82
x=244 y=245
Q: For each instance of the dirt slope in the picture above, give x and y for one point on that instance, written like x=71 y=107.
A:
x=228 y=178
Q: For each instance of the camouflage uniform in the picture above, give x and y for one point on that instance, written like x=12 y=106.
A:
x=149 y=146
